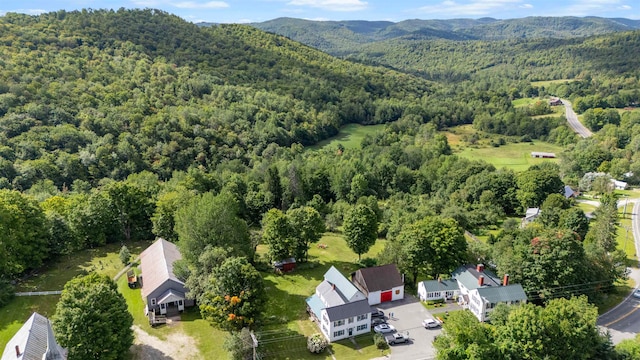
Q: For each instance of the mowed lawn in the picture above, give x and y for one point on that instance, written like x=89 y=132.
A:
x=515 y=156
x=350 y=136
x=53 y=276
x=287 y=323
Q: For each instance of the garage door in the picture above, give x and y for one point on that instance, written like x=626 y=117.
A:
x=385 y=296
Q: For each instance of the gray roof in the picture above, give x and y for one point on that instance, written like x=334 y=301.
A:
x=442 y=285
x=468 y=276
x=348 y=290
x=377 y=278
x=35 y=341
x=330 y=295
x=499 y=294
x=348 y=310
x=568 y=191
x=156 y=263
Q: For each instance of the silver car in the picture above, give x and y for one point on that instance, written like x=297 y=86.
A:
x=430 y=323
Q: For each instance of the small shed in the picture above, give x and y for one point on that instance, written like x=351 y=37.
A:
x=543 y=155
x=285 y=265
x=555 y=102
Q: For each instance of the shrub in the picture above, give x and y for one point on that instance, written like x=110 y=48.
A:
x=380 y=342
x=316 y=343
x=124 y=255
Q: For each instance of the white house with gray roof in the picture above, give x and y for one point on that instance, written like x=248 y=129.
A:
x=440 y=289
x=340 y=309
x=481 y=290
x=34 y=341
x=161 y=289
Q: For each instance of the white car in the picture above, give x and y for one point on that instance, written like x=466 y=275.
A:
x=636 y=294
x=384 y=328
x=430 y=323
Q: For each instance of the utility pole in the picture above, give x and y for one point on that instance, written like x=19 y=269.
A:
x=254 y=345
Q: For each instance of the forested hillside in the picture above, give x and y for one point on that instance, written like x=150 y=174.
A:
x=106 y=94
x=346 y=37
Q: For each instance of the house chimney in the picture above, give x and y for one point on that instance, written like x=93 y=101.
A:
x=480 y=268
x=18 y=351
x=439 y=279
x=333 y=286
x=480 y=280
x=505 y=280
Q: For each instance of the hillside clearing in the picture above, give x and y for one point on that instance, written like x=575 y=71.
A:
x=350 y=136
x=516 y=156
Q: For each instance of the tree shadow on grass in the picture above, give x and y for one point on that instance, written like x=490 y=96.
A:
x=146 y=352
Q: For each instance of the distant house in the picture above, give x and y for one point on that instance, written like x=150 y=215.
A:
x=619 y=185
x=34 y=341
x=438 y=289
x=555 y=102
x=161 y=289
x=530 y=216
x=285 y=265
x=339 y=308
x=380 y=283
x=569 y=192
x=481 y=290
x=543 y=155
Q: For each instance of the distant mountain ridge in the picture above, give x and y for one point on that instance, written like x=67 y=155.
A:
x=343 y=37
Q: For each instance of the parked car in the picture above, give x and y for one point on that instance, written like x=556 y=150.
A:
x=384 y=328
x=430 y=323
x=377 y=314
x=636 y=294
x=377 y=321
x=397 y=338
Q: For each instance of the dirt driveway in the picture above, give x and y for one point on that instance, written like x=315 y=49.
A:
x=177 y=346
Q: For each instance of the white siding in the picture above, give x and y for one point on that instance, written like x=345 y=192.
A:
x=374 y=298
x=398 y=293
x=335 y=332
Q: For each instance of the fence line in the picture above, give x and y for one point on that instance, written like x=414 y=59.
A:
x=36 y=293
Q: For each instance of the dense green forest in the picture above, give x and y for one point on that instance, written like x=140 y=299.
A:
x=113 y=131
x=346 y=37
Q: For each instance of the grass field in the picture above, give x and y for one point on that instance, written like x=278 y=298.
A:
x=350 y=136
x=53 y=276
x=549 y=82
x=287 y=324
x=515 y=156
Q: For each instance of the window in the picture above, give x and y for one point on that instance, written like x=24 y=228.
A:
x=350 y=320
x=338 y=333
x=338 y=323
x=180 y=302
x=362 y=327
x=153 y=301
x=363 y=317
x=398 y=292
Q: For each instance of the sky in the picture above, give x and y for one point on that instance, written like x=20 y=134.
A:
x=243 y=11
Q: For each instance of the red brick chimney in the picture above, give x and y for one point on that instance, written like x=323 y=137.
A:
x=480 y=268
x=18 y=351
x=505 y=280
x=480 y=280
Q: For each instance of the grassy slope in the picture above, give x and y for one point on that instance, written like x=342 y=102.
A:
x=349 y=136
x=512 y=156
x=53 y=276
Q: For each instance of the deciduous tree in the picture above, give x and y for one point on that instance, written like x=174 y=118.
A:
x=360 y=229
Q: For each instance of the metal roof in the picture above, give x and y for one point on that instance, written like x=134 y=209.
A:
x=330 y=295
x=316 y=305
x=509 y=293
x=378 y=278
x=156 y=263
x=442 y=285
x=35 y=341
x=346 y=288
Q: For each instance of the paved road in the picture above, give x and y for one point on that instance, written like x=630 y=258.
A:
x=573 y=121
x=623 y=321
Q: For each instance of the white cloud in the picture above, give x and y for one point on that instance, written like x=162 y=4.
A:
x=451 y=8
x=197 y=5
x=526 y=6
x=182 y=4
x=332 y=5
x=624 y=7
x=24 y=11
